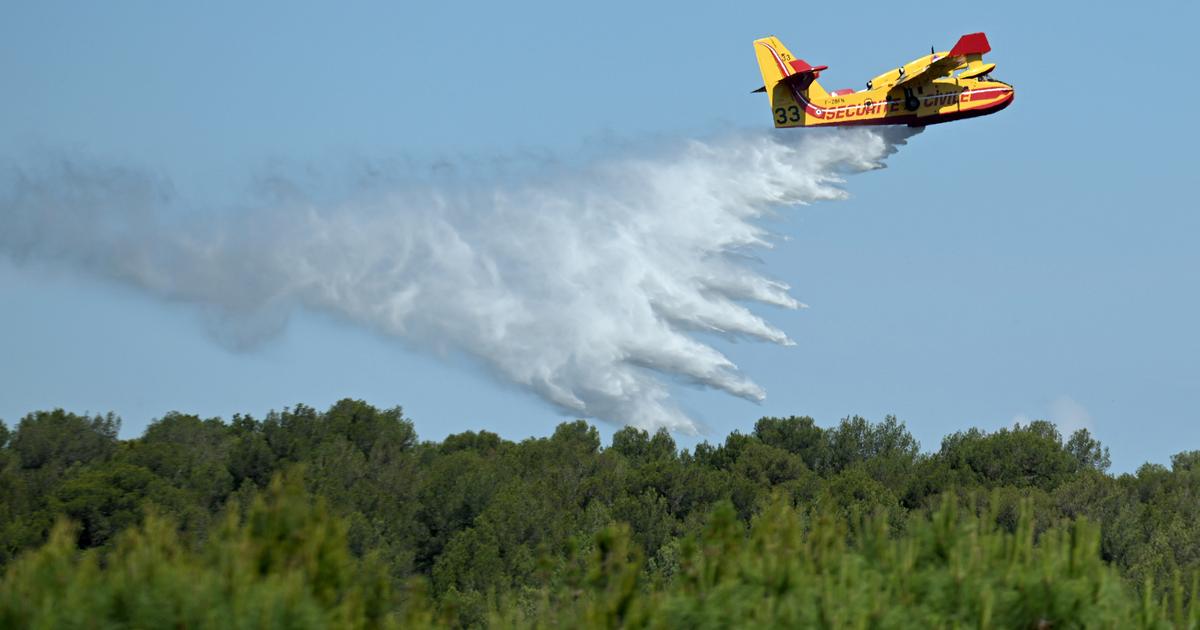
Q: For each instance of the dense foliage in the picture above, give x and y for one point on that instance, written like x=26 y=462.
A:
x=343 y=518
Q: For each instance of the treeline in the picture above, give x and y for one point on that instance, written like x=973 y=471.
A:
x=343 y=518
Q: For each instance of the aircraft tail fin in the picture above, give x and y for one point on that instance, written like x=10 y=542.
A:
x=790 y=83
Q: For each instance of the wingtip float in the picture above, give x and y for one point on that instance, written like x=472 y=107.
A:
x=939 y=87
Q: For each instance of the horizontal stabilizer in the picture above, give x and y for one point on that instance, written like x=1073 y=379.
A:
x=802 y=74
x=800 y=66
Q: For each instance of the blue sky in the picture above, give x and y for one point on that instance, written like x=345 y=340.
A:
x=1036 y=263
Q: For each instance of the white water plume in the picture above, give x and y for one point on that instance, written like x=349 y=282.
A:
x=584 y=287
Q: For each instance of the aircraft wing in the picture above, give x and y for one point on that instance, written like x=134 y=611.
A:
x=939 y=68
x=971 y=45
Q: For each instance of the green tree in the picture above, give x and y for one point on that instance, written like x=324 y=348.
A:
x=1023 y=456
x=52 y=441
x=798 y=435
x=1087 y=451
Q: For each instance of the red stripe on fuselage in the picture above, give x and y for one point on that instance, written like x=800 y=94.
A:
x=913 y=120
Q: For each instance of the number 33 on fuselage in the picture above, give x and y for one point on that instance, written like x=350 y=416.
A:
x=939 y=87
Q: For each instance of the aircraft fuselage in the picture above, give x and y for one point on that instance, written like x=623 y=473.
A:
x=941 y=100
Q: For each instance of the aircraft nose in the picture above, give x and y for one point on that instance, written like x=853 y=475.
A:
x=1005 y=100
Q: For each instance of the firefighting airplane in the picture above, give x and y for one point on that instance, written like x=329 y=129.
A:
x=922 y=92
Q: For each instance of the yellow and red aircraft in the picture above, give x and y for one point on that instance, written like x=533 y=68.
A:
x=939 y=87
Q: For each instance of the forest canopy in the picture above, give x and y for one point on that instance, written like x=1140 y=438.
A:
x=344 y=518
